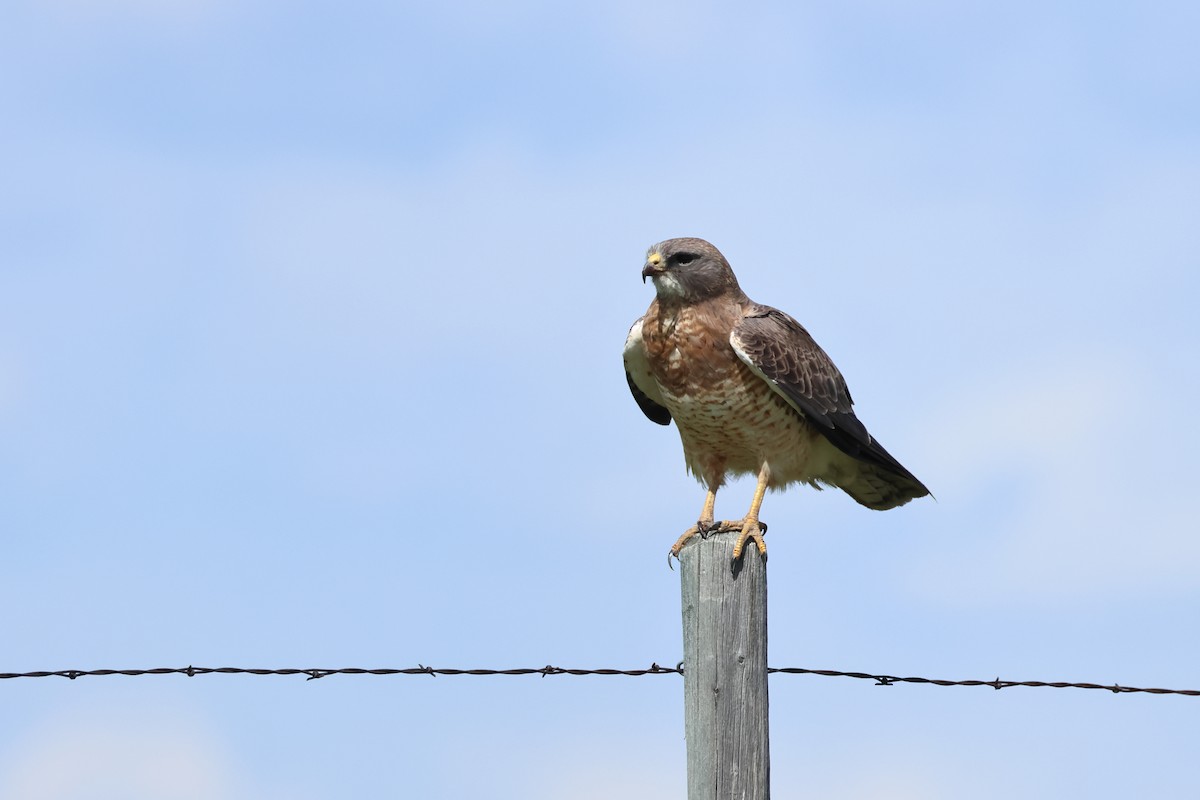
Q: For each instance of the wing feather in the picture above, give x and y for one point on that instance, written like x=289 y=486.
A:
x=641 y=380
x=779 y=350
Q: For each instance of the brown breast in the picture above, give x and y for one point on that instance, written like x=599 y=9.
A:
x=688 y=346
x=729 y=419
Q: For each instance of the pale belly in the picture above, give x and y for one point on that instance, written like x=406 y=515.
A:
x=737 y=425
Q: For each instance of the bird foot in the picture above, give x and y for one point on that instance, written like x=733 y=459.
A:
x=751 y=530
x=705 y=529
x=709 y=528
x=712 y=528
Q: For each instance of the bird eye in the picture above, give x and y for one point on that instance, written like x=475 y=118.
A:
x=685 y=258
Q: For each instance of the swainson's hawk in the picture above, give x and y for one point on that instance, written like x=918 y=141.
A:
x=750 y=392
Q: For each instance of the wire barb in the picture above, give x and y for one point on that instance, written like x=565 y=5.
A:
x=312 y=674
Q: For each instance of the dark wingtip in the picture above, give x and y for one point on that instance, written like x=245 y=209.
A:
x=653 y=411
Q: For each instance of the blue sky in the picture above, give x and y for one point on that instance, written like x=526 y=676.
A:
x=310 y=331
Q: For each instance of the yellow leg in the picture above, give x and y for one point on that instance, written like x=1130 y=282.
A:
x=710 y=502
x=752 y=529
x=705 y=525
x=701 y=526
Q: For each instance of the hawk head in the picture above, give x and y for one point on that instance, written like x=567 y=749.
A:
x=688 y=271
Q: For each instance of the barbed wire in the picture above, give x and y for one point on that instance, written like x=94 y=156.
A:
x=653 y=669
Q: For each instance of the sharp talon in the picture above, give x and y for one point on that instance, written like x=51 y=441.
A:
x=752 y=531
x=709 y=529
x=679 y=543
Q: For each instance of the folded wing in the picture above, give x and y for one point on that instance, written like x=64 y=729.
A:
x=641 y=380
x=779 y=350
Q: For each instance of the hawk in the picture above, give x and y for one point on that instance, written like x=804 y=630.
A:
x=750 y=392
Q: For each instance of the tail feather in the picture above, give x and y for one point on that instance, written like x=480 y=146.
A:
x=879 y=488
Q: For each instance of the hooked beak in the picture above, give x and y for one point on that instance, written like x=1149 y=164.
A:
x=654 y=266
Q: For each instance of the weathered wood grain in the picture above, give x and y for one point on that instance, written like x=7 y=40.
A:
x=725 y=670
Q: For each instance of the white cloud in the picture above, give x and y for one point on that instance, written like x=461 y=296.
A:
x=1064 y=481
x=610 y=773
x=118 y=755
x=888 y=781
x=9 y=378
x=176 y=11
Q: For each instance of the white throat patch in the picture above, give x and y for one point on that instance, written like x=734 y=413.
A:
x=667 y=285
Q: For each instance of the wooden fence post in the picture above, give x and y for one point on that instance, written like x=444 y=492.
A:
x=725 y=670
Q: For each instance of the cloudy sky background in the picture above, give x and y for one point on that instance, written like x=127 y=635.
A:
x=310 y=330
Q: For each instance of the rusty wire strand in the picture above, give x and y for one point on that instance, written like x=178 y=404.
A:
x=653 y=669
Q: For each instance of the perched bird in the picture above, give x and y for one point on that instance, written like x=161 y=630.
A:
x=750 y=392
